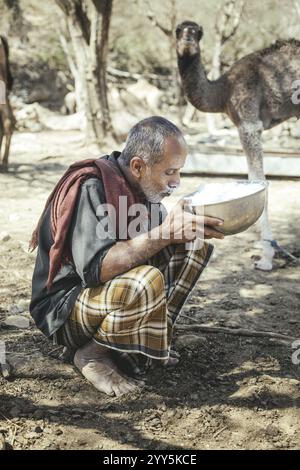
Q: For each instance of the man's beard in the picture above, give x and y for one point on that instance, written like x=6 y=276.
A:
x=152 y=195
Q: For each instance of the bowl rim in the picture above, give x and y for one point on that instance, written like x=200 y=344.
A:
x=264 y=183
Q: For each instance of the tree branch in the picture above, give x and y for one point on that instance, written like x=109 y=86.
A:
x=234 y=332
x=152 y=18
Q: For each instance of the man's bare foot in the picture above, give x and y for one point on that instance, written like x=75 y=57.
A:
x=96 y=365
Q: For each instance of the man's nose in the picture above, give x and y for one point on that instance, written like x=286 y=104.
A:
x=174 y=184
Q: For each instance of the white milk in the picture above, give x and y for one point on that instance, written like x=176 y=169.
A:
x=220 y=192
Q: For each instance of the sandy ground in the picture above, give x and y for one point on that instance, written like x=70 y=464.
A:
x=227 y=391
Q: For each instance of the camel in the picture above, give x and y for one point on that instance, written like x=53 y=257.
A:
x=7 y=121
x=256 y=93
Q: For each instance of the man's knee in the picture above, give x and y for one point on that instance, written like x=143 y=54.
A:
x=149 y=277
x=142 y=283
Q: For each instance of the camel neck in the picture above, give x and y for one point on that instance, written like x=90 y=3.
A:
x=207 y=96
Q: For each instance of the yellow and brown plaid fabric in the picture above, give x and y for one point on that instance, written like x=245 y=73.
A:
x=135 y=312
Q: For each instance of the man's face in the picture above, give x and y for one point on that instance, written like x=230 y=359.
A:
x=162 y=178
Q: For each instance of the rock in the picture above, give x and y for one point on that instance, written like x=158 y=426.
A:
x=38 y=429
x=17 y=320
x=4 y=237
x=58 y=432
x=155 y=422
x=15 y=309
x=162 y=407
x=23 y=304
x=70 y=103
x=190 y=340
x=171 y=413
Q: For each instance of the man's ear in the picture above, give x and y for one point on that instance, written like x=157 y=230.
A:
x=137 y=167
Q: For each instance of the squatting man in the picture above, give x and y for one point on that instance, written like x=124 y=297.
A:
x=108 y=293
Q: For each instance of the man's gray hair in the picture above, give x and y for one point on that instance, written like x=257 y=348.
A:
x=147 y=139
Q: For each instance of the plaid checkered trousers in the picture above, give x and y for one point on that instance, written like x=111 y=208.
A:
x=134 y=313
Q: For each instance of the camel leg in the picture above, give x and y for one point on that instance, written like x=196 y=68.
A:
x=250 y=135
x=8 y=126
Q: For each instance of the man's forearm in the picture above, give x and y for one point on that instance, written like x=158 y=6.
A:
x=127 y=254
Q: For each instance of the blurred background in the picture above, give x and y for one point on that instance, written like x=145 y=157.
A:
x=100 y=69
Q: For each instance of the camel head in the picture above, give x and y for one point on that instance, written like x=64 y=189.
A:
x=188 y=35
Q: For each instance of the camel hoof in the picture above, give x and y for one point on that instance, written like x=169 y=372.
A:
x=263 y=265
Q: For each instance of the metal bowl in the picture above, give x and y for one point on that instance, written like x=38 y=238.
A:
x=239 y=203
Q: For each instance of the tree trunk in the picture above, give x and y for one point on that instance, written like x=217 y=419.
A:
x=226 y=25
x=78 y=82
x=88 y=24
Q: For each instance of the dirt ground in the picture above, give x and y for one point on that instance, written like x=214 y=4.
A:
x=228 y=392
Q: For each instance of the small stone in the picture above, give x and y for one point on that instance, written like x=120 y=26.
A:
x=162 y=407
x=23 y=304
x=17 y=320
x=58 y=432
x=4 y=237
x=14 y=310
x=171 y=413
x=38 y=429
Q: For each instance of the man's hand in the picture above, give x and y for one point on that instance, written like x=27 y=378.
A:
x=181 y=226
x=178 y=227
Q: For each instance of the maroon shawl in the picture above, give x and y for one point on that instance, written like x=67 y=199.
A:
x=63 y=200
